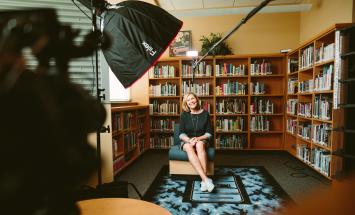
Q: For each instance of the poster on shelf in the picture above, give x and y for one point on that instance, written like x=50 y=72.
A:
x=181 y=44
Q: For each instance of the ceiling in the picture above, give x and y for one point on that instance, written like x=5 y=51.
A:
x=186 y=8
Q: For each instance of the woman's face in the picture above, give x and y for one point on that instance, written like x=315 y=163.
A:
x=191 y=101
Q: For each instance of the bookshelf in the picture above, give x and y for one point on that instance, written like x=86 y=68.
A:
x=242 y=93
x=130 y=134
x=310 y=116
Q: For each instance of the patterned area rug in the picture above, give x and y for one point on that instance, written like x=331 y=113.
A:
x=238 y=190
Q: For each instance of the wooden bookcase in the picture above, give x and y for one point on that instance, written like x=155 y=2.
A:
x=310 y=116
x=223 y=86
x=130 y=134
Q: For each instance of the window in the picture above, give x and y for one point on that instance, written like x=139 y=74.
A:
x=117 y=91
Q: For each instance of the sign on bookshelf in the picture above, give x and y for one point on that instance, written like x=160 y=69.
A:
x=181 y=44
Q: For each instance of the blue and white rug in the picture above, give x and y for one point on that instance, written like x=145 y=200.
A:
x=238 y=190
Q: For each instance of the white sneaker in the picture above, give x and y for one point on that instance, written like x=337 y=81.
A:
x=209 y=185
x=203 y=187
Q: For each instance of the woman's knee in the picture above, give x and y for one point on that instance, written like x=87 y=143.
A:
x=200 y=146
x=187 y=147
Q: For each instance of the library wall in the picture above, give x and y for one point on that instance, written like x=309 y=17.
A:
x=260 y=35
x=323 y=14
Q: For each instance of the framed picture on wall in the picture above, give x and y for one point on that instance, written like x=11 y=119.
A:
x=181 y=44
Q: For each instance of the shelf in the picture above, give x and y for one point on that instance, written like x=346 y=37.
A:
x=232 y=76
x=231 y=114
x=322 y=63
x=266 y=132
x=161 y=131
x=268 y=95
x=165 y=115
x=304 y=140
x=305 y=118
x=224 y=96
x=292 y=134
x=321 y=146
x=305 y=94
x=164 y=97
x=322 y=120
x=266 y=114
x=306 y=69
x=291 y=115
x=231 y=132
x=323 y=92
x=292 y=73
x=198 y=77
x=169 y=78
x=293 y=94
x=267 y=76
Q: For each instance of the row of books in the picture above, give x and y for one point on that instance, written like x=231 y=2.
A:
x=321 y=134
x=228 y=69
x=291 y=125
x=129 y=140
x=292 y=85
x=261 y=106
x=161 y=141
x=291 y=106
x=205 y=105
x=162 y=72
x=199 y=89
x=167 y=89
x=321 y=160
x=322 y=107
x=116 y=121
x=304 y=152
x=164 y=107
x=162 y=124
x=304 y=109
x=231 y=88
x=203 y=69
x=235 y=124
x=292 y=65
x=304 y=130
x=316 y=157
x=231 y=141
x=306 y=86
x=263 y=68
x=323 y=80
x=307 y=57
x=257 y=88
x=259 y=123
x=325 y=53
x=231 y=106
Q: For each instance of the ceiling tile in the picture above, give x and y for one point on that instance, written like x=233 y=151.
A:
x=218 y=3
x=187 y=4
x=166 y=4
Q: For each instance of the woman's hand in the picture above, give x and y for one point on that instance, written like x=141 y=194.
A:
x=193 y=141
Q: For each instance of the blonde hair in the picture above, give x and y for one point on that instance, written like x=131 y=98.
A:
x=184 y=102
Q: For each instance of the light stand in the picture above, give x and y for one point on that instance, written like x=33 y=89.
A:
x=243 y=21
x=97 y=6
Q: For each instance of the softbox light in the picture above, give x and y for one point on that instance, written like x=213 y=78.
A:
x=140 y=32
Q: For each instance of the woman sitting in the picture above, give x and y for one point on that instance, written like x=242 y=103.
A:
x=195 y=134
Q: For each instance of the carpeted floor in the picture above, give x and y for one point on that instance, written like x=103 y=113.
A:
x=293 y=176
x=238 y=190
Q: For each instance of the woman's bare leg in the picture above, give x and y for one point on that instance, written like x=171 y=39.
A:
x=194 y=160
x=202 y=155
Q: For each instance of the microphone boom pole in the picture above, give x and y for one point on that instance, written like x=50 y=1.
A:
x=243 y=21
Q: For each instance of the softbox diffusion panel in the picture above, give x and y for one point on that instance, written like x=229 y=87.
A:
x=140 y=32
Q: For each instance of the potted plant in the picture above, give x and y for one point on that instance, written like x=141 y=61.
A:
x=208 y=41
